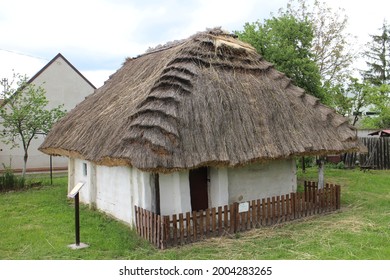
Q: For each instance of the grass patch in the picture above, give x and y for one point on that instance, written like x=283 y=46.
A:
x=38 y=223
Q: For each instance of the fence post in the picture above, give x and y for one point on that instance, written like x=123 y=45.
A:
x=165 y=232
x=195 y=225
x=338 y=196
x=233 y=217
x=136 y=218
x=288 y=209
x=236 y=217
x=293 y=202
x=158 y=233
x=188 y=224
x=306 y=186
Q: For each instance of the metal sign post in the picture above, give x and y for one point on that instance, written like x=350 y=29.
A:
x=75 y=194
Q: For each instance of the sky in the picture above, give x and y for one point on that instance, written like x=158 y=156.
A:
x=96 y=36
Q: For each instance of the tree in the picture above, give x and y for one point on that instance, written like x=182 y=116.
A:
x=361 y=96
x=378 y=55
x=356 y=98
x=24 y=115
x=286 y=42
x=331 y=45
x=380 y=102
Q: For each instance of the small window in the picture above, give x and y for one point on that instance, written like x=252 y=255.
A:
x=85 y=169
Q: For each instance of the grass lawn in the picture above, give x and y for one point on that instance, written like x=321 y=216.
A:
x=39 y=224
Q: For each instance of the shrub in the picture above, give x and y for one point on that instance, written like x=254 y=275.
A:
x=340 y=165
x=331 y=165
x=9 y=181
x=310 y=161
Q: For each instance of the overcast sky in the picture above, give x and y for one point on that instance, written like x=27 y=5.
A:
x=97 y=35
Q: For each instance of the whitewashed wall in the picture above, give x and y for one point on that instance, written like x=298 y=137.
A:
x=63 y=85
x=86 y=178
x=228 y=185
x=175 y=193
x=218 y=187
x=262 y=180
x=113 y=190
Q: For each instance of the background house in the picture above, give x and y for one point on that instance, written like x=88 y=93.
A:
x=64 y=84
x=199 y=123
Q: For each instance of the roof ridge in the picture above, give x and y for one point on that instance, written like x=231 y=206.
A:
x=59 y=55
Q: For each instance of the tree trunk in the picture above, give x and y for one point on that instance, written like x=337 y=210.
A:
x=321 y=168
x=355 y=119
x=24 y=164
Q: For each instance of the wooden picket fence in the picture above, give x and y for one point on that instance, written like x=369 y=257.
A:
x=183 y=228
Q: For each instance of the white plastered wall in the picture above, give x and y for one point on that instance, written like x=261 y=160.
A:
x=218 y=187
x=82 y=173
x=262 y=180
x=113 y=190
x=228 y=185
x=174 y=193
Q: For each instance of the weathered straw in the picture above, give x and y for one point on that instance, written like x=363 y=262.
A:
x=207 y=100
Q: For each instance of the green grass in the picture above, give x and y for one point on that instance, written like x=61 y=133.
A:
x=38 y=223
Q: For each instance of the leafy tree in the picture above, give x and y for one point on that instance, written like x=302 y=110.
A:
x=286 y=42
x=379 y=98
x=361 y=97
x=23 y=114
x=378 y=55
x=356 y=97
x=331 y=45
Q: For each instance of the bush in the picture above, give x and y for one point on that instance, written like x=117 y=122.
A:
x=9 y=181
x=339 y=165
x=310 y=161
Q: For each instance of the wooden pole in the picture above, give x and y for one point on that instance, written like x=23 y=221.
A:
x=321 y=170
x=51 y=170
x=77 y=219
x=74 y=193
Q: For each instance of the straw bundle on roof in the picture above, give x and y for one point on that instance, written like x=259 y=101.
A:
x=207 y=100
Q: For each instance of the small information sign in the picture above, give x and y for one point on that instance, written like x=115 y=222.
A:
x=75 y=190
x=243 y=207
x=74 y=193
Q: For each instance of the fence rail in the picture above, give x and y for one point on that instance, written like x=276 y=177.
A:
x=179 y=229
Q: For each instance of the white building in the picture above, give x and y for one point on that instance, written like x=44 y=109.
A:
x=63 y=84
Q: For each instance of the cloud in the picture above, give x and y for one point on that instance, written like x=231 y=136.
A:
x=12 y=62
x=97 y=35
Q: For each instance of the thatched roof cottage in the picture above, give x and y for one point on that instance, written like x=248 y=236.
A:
x=197 y=123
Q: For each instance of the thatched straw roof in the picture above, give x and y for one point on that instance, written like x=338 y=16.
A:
x=207 y=100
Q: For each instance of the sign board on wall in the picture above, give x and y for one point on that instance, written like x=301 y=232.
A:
x=243 y=207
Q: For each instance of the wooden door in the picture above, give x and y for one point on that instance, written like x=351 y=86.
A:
x=198 y=189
